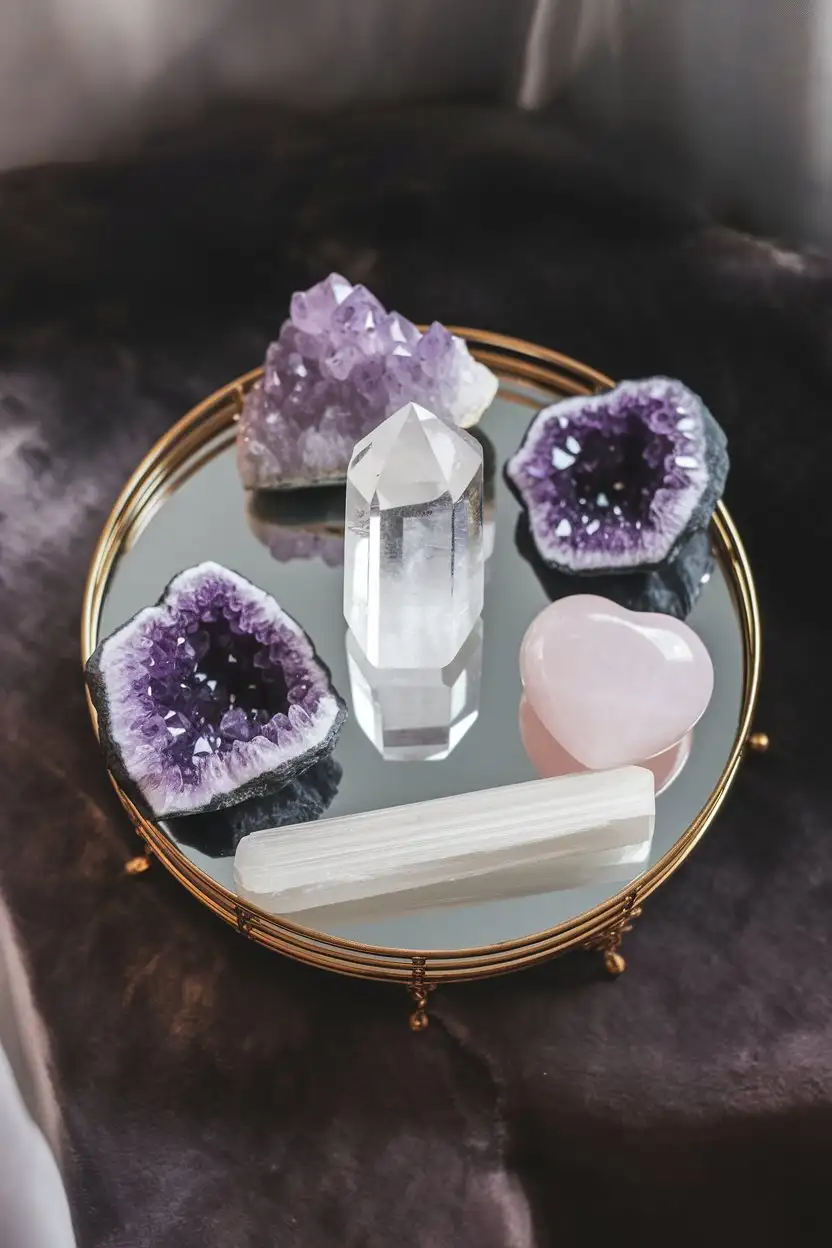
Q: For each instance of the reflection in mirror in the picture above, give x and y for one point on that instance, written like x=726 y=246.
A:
x=218 y=833
x=670 y=589
x=417 y=714
x=549 y=758
x=299 y=524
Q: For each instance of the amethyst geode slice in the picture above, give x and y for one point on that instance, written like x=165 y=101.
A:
x=615 y=482
x=341 y=365
x=212 y=696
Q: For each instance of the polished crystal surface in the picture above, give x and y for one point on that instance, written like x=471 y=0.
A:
x=341 y=364
x=416 y=713
x=469 y=848
x=413 y=576
x=614 y=686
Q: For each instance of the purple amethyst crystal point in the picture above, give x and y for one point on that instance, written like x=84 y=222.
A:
x=341 y=365
x=212 y=696
x=617 y=481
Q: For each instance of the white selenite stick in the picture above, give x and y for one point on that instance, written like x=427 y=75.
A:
x=472 y=847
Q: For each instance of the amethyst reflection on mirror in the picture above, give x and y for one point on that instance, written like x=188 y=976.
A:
x=305 y=799
x=341 y=365
x=615 y=482
x=299 y=524
x=212 y=696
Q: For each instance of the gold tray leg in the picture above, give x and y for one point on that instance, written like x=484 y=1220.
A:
x=759 y=743
x=609 y=942
x=419 y=990
x=139 y=864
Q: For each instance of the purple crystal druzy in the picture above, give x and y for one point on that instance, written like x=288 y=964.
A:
x=616 y=481
x=340 y=366
x=213 y=696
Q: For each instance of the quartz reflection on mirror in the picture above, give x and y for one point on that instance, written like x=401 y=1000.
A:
x=417 y=714
x=299 y=524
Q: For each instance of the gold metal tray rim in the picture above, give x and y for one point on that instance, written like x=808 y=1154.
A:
x=157 y=475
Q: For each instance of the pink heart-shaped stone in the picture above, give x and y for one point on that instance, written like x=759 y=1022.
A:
x=614 y=686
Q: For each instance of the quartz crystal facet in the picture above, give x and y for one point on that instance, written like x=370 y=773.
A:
x=340 y=365
x=617 y=481
x=413 y=576
x=417 y=713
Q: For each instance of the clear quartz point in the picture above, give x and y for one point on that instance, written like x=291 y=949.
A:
x=417 y=713
x=413 y=575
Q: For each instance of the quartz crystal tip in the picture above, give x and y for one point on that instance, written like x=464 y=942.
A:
x=414 y=572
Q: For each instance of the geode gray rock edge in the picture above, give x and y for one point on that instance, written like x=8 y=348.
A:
x=269 y=768
x=713 y=469
x=305 y=799
x=672 y=588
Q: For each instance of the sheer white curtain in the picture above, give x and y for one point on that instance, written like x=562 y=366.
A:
x=738 y=93
x=34 y=1212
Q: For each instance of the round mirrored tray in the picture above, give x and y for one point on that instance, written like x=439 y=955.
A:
x=185 y=504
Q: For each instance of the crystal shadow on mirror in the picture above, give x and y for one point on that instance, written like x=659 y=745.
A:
x=670 y=589
x=303 y=800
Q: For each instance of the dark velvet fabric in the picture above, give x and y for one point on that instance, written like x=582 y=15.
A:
x=215 y=1094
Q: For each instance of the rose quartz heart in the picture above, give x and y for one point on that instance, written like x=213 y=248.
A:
x=613 y=686
x=549 y=758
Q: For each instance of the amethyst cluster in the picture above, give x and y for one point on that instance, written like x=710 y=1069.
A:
x=211 y=697
x=340 y=366
x=617 y=482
